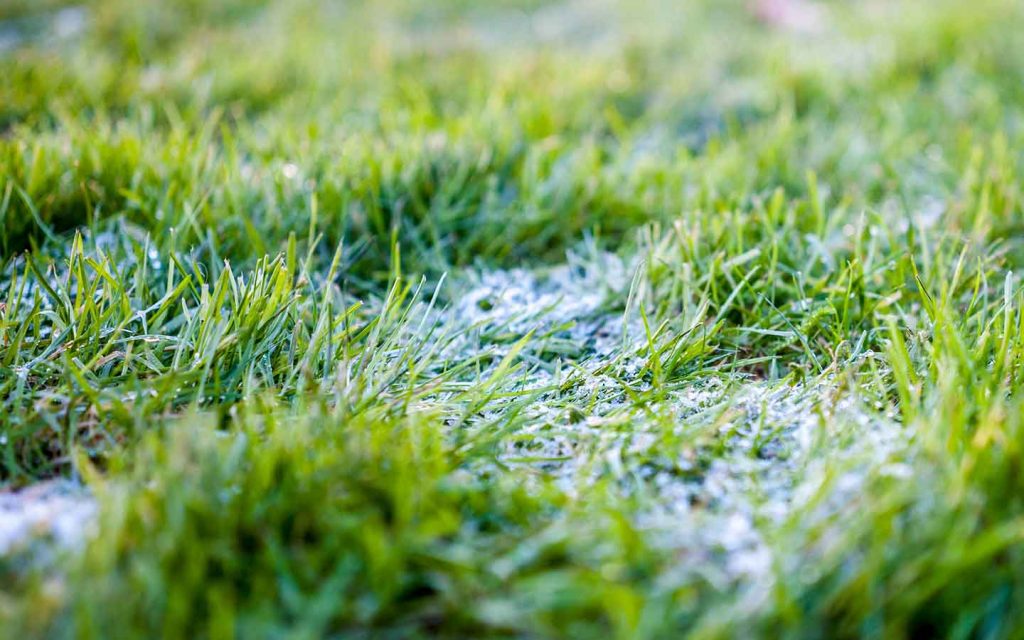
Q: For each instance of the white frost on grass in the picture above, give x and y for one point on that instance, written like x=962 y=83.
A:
x=520 y=298
x=712 y=464
x=573 y=307
x=45 y=29
x=57 y=510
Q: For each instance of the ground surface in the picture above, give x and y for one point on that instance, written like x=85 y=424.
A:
x=511 y=319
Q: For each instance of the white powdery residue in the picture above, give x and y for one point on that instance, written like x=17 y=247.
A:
x=69 y=22
x=569 y=301
x=870 y=442
x=776 y=454
x=60 y=511
x=45 y=29
x=753 y=453
x=746 y=552
x=764 y=443
x=521 y=299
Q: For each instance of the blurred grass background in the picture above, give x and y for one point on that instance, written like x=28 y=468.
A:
x=496 y=131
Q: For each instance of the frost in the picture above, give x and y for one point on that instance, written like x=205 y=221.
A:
x=712 y=464
x=60 y=511
x=47 y=28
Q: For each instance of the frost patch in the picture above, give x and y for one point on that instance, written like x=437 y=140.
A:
x=576 y=303
x=712 y=465
x=45 y=29
x=60 y=511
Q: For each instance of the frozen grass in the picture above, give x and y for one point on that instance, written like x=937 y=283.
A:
x=512 y=319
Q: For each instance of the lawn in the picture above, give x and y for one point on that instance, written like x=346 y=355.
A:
x=521 y=318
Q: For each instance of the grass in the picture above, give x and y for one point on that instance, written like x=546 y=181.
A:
x=515 y=319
